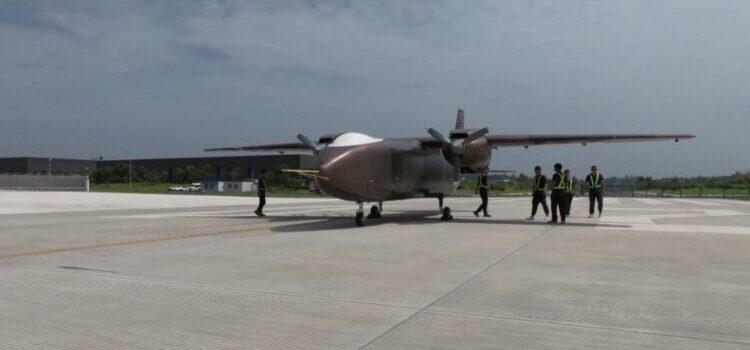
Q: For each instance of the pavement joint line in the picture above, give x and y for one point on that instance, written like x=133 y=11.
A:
x=138 y=279
x=586 y=326
x=140 y=241
x=492 y=265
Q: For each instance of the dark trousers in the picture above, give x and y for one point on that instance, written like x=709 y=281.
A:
x=539 y=198
x=261 y=201
x=596 y=196
x=485 y=197
x=559 y=204
x=570 y=203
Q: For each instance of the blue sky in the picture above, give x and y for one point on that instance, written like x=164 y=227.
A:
x=169 y=78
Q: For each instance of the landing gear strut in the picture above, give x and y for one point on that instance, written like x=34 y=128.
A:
x=359 y=217
x=440 y=202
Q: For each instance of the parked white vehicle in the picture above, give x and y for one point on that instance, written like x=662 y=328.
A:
x=178 y=189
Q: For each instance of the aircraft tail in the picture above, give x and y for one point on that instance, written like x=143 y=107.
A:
x=460 y=119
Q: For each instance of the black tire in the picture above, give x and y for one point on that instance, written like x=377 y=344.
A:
x=447 y=214
x=359 y=219
x=374 y=212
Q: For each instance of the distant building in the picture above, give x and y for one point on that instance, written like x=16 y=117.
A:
x=228 y=186
x=44 y=166
x=226 y=168
x=232 y=168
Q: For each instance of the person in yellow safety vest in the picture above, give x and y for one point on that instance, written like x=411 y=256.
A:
x=570 y=189
x=538 y=193
x=483 y=188
x=559 y=198
x=595 y=181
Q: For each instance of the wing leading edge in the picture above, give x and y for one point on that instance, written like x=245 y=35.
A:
x=278 y=147
x=495 y=141
x=533 y=140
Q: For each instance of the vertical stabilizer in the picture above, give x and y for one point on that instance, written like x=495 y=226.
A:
x=460 y=119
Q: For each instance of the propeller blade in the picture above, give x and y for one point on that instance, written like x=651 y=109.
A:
x=456 y=149
x=475 y=135
x=437 y=135
x=308 y=142
x=456 y=168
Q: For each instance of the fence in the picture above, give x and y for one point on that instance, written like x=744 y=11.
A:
x=718 y=190
x=44 y=183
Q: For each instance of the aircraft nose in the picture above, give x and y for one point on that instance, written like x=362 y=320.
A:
x=341 y=173
x=333 y=168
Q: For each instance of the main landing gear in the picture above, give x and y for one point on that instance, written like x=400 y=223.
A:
x=377 y=210
x=375 y=213
x=445 y=211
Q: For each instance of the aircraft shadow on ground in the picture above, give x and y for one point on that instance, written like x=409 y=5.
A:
x=311 y=223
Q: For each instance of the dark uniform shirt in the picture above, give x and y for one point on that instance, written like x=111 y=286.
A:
x=261 y=185
x=590 y=181
x=556 y=182
x=482 y=182
x=540 y=183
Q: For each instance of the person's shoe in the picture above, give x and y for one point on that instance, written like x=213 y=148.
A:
x=487 y=215
x=552 y=222
x=476 y=213
x=530 y=218
x=591 y=216
x=600 y=215
x=562 y=222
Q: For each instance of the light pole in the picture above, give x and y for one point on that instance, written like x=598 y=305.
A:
x=130 y=168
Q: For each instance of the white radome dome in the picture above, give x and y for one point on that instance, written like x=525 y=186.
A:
x=353 y=139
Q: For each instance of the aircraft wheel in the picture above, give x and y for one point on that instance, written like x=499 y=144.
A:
x=446 y=214
x=359 y=219
x=374 y=212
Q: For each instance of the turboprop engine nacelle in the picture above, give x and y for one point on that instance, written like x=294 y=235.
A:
x=476 y=157
x=476 y=154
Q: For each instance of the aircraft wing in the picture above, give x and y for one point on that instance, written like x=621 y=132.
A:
x=279 y=147
x=534 y=140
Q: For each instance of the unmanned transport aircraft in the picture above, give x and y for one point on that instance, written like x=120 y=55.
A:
x=364 y=169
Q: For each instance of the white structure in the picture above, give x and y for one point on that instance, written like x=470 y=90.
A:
x=44 y=183
x=228 y=186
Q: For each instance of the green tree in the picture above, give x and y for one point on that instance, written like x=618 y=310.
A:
x=179 y=175
x=237 y=174
x=191 y=174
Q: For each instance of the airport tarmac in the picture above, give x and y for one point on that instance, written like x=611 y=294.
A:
x=108 y=271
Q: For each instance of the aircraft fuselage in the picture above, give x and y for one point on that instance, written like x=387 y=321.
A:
x=389 y=169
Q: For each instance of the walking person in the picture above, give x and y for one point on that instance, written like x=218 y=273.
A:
x=570 y=188
x=262 y=189
x=538 y=193
x=483 y=189
x=559 y=197
x=595 y=181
